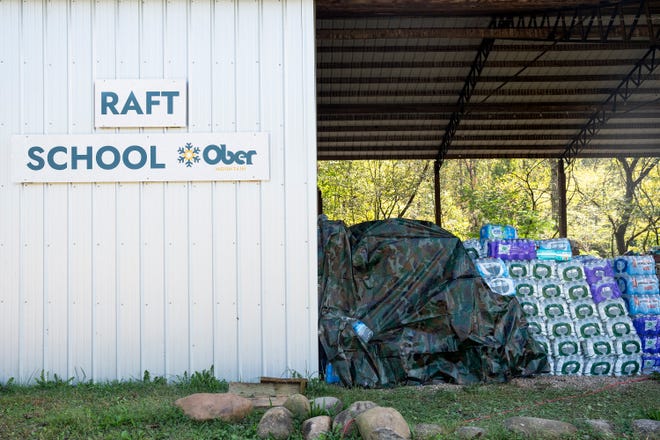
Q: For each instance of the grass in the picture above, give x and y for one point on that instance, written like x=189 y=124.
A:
x=53 y=408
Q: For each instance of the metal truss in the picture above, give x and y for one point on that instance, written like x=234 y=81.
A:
x=610 y=21
x=466 y=93
x=642 y=70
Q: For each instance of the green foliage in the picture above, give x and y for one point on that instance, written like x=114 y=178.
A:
x=519 y=192
x=359 y=191
x=202 y=381
x=653 y=414
x=46 y=381
x=615 y=198
x=158 y=380
x=7 y=386
x=318 y=410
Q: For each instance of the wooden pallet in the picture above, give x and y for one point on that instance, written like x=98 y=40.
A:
x=270 y=391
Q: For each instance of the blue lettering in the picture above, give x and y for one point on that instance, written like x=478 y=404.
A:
x=33 y=154
x=213 y=154
x=206 y=154
x=75 y=157
x=127 y=154
x=249 y=155
x=51 y=158
x=115 y=157
x=170 y=100
x=151 y=101
x=153 y=161
x=132 y=104
x=107 y=157
x=109 y=101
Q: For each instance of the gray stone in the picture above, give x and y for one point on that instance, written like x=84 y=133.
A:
x=427 y=431
x=298 y=405
x=314 y=427
x=382 y=423
x=276 y=422
x=208 y=406
x=646 y=429
x=536 y=428
x=470 y=432
x=345 y=420
x=602 y=428
x=330 y=404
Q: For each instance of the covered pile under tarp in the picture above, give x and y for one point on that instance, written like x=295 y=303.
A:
x=432 y=316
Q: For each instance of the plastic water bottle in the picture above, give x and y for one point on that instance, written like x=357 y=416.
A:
x=363 y=332
x=647 y=325
x=601 y=366
x=605 y=290
x=597 y=270
x=569 y=365
x=570 y=271
x=330 y=375
x=627 y=365
x=525 y=288
x=501 y=285
x=577 y=290
x=635 y=265
x=613 y=308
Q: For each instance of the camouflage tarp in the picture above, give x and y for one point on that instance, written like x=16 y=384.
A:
x=433 y=317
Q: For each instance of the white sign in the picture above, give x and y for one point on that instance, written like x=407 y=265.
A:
x=140 y=103
x=140 y=157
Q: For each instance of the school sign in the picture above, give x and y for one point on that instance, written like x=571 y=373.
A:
x=140 y=157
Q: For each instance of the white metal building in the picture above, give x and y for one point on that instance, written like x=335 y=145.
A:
x=104 y=280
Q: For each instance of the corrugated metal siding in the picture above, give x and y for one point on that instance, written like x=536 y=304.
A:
x=105 y=281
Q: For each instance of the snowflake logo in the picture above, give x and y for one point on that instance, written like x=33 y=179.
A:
x=188 y=154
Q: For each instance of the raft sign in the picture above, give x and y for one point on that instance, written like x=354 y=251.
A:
x=140 y=157
x=140 y=103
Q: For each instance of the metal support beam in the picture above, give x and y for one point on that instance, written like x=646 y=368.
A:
x=602 y=22
x=466 y=93
x=597 y=23
x=641 y=72
x=562 y=223
x=436 y=189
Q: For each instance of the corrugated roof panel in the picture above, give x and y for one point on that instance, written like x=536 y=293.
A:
x=529 y=96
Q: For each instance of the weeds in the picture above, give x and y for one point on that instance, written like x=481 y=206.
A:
x=201 y=381
x=45 y=381
x=318 y=410
x=158 y=380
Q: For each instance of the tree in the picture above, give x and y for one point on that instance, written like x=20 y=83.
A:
x=622 y=192
x=613 y=204
x=358 y=191
x=515 y=192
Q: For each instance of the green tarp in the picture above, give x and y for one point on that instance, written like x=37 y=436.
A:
x=431 y=315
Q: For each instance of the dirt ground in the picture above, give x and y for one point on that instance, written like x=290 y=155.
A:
x=582 y=382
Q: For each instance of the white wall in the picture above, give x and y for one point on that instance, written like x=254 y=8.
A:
x=104 y=281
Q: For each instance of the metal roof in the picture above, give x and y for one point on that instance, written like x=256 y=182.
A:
x=443 y=79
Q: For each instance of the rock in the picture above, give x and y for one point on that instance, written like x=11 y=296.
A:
x=345 y=420
x=536 y=428
x=276 y=422
x=382 y=423
x=427 y=431
x=298 y=405
x=314 y=427
x=601 y=427
x=646 y=429
x=330 y=404
x=470 y=432
x=207 y=406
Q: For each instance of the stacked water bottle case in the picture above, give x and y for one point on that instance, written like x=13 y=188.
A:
x=637 y=279
x=574 y=306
